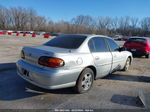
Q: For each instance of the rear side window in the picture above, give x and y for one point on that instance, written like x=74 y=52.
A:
x=112 y=44
x=97 y=44
x=66 y=41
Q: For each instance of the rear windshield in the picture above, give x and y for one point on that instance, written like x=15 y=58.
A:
x=66 y=41
x=136 y=40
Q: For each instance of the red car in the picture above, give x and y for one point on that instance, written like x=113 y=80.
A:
x=139 y=46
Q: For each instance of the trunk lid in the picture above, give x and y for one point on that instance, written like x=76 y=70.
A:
x=32 y=54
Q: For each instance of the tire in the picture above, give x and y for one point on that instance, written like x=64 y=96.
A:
x=126 y=67
x=147 y=56
x=85 y=81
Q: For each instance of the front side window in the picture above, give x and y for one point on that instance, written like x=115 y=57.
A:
x=97 y=44
x=112 y=44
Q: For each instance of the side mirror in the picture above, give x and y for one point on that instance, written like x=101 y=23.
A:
x=121 y=49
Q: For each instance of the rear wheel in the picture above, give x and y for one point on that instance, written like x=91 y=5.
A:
x=85 y=81
x=126 y=67
x=147 y=56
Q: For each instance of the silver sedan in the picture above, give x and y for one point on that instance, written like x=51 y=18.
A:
x=72 y=61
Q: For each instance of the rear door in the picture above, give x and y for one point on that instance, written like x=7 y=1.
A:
x=101 y=55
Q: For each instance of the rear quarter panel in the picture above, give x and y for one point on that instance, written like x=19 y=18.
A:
x=127 y=54
x=77 y=60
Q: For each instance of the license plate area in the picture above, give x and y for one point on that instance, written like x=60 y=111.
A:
x=25 y=72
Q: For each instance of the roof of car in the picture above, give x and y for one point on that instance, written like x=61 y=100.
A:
x=78 y=34
x=142 y=37
x=88 y=35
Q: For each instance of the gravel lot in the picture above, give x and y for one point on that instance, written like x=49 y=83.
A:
x=116 y=91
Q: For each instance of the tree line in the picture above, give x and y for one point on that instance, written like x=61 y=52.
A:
x=27 y=19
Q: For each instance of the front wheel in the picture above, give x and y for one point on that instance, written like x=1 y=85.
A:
x=85 y=81
x=126 y=67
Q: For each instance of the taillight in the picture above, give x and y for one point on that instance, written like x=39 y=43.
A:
x=51 y=62
x=22 y=55
x=146 y=46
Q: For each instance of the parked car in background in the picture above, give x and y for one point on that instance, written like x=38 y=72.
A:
x=42 y=33
x=28 y=32
x=10 y=31
x=125 y=38
x=37 y=33
x=139 y=46
x=117 y=37
x=55 y=34
x=72 y=61
x=21 y=32
x=14 y=31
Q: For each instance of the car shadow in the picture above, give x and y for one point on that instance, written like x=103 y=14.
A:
x=140 y=57
x=127 y=100
x=7 y=66
x=13 y=87
x=132 y=78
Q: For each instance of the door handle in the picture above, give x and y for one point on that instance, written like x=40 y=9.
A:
x=96 y=58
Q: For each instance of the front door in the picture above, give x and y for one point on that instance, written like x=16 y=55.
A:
x=118 y=57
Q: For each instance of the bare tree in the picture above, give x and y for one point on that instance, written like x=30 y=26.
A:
x=114 y=23
x=50 y=26
x=3 y=17
x=40 y=23
x=103 y=25
x=19 y=17
x=134 y=22
x=145 y=26
x=32 y=17
x=83 y=23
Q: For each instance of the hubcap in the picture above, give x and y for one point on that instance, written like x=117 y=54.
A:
x=127 y=64
x=86 y=81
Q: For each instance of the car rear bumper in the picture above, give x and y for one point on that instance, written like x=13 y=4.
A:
x=137 y=52
x=49 y=79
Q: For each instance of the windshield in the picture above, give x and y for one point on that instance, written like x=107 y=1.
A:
x=67 y=41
